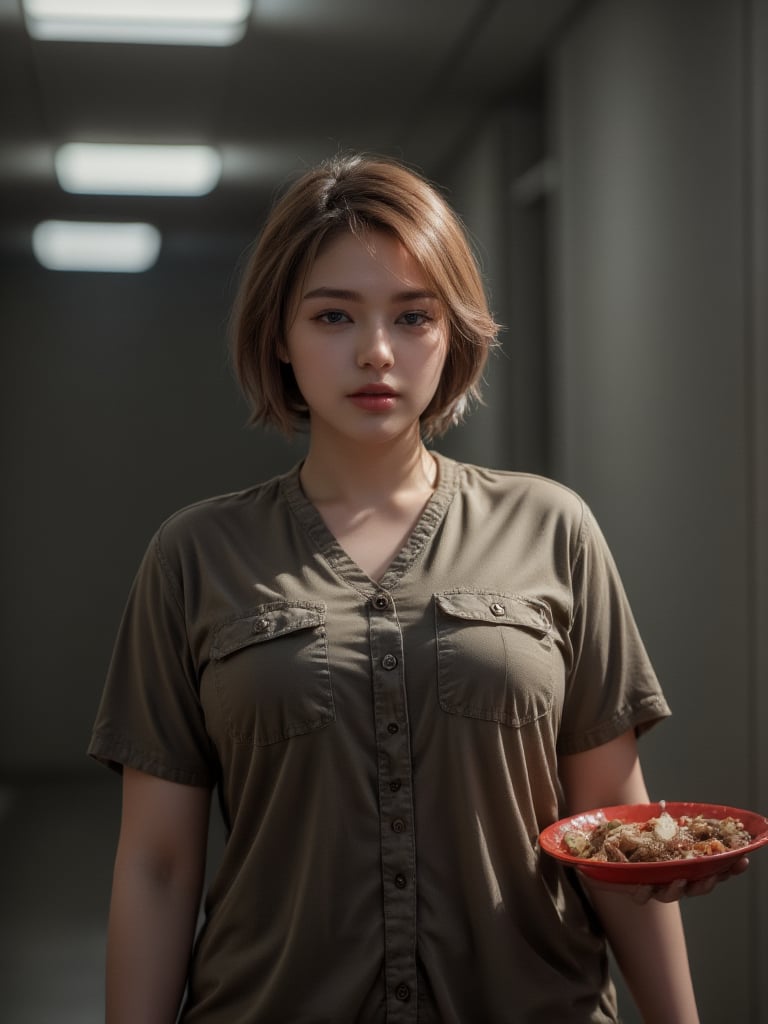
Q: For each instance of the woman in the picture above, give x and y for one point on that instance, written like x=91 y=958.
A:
x=395 y=669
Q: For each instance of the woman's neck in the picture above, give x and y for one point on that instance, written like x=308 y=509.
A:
x=370 y=496
x=362 y=475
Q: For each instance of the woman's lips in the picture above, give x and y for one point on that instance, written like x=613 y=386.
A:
x=374 y=398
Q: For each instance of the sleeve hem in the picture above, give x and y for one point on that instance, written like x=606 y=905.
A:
x=641 y=716
x=116 y=753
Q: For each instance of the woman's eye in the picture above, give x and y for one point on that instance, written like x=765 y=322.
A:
x=415 y=319
x=332 y=316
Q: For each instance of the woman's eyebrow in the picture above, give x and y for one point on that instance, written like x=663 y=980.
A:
x=348 y=295
x=333 y=293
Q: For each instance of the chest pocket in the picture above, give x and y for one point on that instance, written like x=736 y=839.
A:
x=271 y=672
x=494 y=656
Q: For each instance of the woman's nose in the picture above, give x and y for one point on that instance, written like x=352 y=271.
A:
x=375 y=348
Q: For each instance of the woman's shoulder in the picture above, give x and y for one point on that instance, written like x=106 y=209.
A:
x=231 y=511
x=538 y=493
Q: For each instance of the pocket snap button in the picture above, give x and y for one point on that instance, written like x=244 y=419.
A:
x=497 y=609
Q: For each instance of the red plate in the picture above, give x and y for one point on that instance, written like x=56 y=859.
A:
x=653 y=872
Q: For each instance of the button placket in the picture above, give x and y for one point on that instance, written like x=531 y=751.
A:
x=398 y=858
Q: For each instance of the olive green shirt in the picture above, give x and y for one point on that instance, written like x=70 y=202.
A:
x=385 y=753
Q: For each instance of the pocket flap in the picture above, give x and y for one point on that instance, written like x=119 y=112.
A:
x=497 y=608
x=265 y=622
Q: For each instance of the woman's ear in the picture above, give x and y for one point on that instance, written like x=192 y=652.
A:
x=282 y=352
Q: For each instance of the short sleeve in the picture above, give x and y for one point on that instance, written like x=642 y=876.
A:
x=612 y=686
x=150 y=717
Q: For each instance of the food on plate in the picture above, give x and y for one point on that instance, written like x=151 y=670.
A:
x=657 y=839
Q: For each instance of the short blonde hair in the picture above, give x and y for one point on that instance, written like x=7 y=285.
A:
x=358 y=194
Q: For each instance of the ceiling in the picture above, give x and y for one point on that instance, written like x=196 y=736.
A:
x=405 y=77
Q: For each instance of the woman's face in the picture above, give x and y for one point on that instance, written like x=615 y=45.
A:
x=368 y=339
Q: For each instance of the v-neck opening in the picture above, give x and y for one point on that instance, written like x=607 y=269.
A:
x=335 y=554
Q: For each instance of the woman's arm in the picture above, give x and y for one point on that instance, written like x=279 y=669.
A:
x=156 y=889
x=646 y=937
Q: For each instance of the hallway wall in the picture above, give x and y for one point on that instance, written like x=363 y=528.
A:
x=509 y=233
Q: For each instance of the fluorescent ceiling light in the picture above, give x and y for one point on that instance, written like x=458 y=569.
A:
x=182 y=22
x=106 y=169
x=84 y=245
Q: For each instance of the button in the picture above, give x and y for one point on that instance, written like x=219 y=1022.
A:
x=389 y=661
x=401 y=881
x=497 y=609
x=392 y=728
x=380 y=601
x=398 y=825
x=395 y=784
x=403 y=993
x=260 y=625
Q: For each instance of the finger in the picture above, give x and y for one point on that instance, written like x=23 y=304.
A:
x=670 y=893
x=642 y=894
x=704 y=885
x=740 y=866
